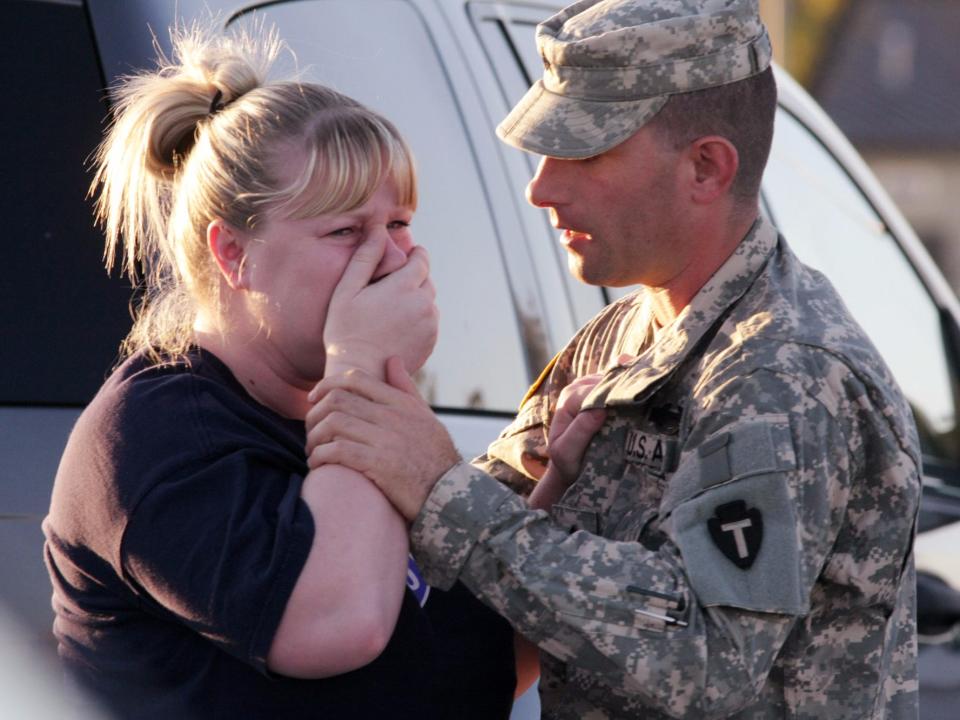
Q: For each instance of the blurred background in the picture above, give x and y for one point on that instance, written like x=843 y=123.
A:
x=888 y=73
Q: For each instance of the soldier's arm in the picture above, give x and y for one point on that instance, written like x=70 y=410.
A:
x=683 y=627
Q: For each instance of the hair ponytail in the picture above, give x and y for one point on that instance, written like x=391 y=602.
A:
x=157 y=116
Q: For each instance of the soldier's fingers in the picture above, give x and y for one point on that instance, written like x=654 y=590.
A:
x=341 y=452
x=568 y=451
x=357 y=382
x=342 y=400
x=340 y=426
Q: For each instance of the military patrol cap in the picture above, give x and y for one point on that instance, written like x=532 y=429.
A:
x=611 y=65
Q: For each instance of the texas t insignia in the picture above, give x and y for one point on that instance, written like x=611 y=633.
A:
x=737 y=531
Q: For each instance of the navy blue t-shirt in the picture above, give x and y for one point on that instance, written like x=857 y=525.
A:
x=175 y=536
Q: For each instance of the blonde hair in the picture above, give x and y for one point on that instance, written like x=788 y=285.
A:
x=173 y=160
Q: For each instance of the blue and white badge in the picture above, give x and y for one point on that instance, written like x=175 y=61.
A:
x=416 y=583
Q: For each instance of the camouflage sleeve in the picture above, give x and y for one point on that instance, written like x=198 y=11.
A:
x=518 y=457
x=681 y=628
x=613 y=609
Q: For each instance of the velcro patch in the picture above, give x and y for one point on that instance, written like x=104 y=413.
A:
x=739 y=545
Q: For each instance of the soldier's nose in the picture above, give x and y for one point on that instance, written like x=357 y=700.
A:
x=545 y=188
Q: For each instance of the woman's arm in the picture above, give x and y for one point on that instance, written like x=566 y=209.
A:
x=345 y=604
x=344 y=607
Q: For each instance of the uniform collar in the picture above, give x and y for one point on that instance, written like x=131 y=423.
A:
x=633 y=382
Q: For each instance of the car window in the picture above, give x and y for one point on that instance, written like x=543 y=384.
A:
x=832 y=227
x=815 y=203
x=386 y=58
x=507 y=32
x=63 y=318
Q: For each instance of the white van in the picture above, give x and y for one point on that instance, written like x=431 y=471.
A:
x=445 y=71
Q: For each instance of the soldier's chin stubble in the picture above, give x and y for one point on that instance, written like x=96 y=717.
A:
x=583 y=269
x=592 y=271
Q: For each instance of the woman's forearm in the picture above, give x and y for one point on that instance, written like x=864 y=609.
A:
x=345 y=604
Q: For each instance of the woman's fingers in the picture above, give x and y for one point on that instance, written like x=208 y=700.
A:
x=396 y=315
x=567 y=451
x=411 y=276
x=362 y=266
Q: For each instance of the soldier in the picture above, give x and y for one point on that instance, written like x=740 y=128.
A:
x=737 y=540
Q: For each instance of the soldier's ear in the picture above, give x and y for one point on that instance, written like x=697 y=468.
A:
x=714 y=161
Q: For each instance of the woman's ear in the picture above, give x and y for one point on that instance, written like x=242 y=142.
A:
x=227 y=247
x=715 y=162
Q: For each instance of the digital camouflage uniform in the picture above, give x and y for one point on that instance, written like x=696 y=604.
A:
x=738 y=543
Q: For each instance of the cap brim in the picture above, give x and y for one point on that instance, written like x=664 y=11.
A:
x=563 y=127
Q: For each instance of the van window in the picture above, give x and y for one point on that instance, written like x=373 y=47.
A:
x=386 y=58
x=507 y=32
x=62 y=317
x=832 y=227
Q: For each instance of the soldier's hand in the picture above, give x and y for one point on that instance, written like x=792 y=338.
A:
x=570 y=433
x=572 y=430
x=384 y=430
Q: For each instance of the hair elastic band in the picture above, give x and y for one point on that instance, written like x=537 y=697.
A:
x=217 y=104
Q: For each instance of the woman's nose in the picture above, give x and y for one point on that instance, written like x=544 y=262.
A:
x=394 y=258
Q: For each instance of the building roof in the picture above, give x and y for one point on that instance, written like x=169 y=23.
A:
x=891 y=75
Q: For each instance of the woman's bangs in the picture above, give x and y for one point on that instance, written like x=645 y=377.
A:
x=402 y=171
x=347 y=169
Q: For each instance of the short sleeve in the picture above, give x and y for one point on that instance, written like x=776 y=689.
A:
x=219 y=549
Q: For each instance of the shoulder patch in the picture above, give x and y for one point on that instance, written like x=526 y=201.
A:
x=738 y=531
x=739 y=545
x=732 y=515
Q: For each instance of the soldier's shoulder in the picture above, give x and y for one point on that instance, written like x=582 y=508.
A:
x=795 y=322
x=799 y=375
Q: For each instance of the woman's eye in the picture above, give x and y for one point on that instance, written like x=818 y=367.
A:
x=342 y=232
x=397 y=224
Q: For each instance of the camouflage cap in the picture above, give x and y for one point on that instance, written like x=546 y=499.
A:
x=611 y=65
